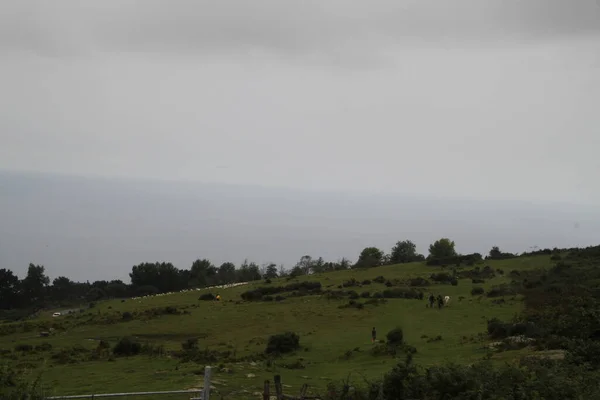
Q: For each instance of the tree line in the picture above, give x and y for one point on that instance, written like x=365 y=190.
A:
x=36 y=291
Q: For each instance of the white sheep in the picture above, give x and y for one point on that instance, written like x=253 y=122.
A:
x=446 y=300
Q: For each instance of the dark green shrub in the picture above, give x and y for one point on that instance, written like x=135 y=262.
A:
x=207 y=297
x=268 y=298
x=283 y=343
x=279 y=298
x=395 y=337
x=418 y=282
x=476 y=291
x=127 y=347
x=43 y=347
x=366 y=282
x=127 y=316
x=351 y=283
x=171 y=310
x=365 y=295
x=353 y=295
x=379 y=279
x=24 y=348
x=502 y=290
x=454 y=281
x=441 y=277
x=190 y=344
x=378 y=295
x=403 y=293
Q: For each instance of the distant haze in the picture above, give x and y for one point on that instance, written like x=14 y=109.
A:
x=92 y=229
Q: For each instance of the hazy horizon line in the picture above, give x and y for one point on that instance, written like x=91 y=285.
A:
x=289 y=189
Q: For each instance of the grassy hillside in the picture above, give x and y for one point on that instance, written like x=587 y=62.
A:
x=334 y=341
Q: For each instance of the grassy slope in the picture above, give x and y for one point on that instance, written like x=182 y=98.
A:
x=326 y=331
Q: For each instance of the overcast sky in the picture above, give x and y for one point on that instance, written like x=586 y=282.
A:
x=494 y=99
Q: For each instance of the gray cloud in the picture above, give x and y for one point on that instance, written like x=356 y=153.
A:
x=481 y=98
x=305 y=27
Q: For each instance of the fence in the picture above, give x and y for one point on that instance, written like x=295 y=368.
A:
x=279 y=391
x=196 y=394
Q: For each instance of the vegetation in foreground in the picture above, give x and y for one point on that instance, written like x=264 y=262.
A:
x=523 y=327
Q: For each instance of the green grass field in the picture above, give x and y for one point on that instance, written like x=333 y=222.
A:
x=335 y=342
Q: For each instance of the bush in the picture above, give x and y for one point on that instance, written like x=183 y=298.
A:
x=127 y=347
x=441 y=277
x=365 y=295
x=268 y=298
x=126 y=316
x=378 y=295
x=43 y=347
x=475 y=280
x=503 y=290
x=207 y=297
x=267 y=281
x=418 y=282
x=190 y=344
x=279 y=298
x=395 y=337
x=366 y=282
x=303 y=288
x=353 y=295
x=379 y=279
x=454 y=281
x=351 y=283
x=477 y=291
x=403 y=293
x=24 y=348
x=353 y=304
x=171 y=310
x=283 y=343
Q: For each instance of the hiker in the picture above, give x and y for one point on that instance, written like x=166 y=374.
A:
x=373 y=335
x=431 y=300
x=440 y=301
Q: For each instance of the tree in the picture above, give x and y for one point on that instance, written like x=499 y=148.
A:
x=163 y=276
x=203 y=273
x=226 y=273
x=271 y=271
x=370 y=257
x=35 y=284
x=318 y=266
x=305 y=264
x=62 y=288
x=443 y=248
x=495 y=252
x=343 y=264
x=9 y=289
x=116 y=289
x=248 y=272
x=405 y=252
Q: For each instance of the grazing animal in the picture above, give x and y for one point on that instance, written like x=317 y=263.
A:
x=446 y=300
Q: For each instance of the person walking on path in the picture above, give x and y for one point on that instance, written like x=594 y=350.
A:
x=373 y=335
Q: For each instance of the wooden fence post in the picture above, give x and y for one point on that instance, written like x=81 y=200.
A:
x=206 y=389
x=267 y=391
x=303 y=391
x=278 y=388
